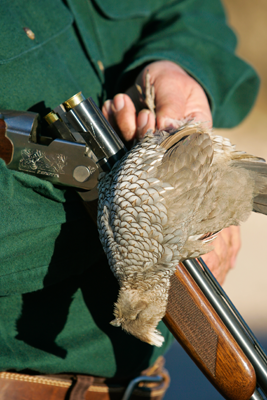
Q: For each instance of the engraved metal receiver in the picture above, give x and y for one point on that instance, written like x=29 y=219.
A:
x=77 y=145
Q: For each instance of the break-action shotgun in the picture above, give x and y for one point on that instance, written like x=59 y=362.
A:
x=77 y=145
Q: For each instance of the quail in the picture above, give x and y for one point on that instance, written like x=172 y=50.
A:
x=163 y=202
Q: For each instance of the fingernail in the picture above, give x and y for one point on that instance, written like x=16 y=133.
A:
x=107 y=106
x=142 y=119
x=118 y=102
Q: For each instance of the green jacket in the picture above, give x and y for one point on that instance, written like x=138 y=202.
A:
x=57 y=292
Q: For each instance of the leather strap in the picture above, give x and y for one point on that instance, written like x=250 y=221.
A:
x=81 y=386
x=15 y=386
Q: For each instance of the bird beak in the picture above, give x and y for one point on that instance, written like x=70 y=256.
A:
x=116 y=322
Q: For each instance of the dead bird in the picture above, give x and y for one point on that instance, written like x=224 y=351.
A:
x=163 y=202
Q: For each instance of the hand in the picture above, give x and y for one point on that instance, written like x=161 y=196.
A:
x=225 y=249
x=177 y=96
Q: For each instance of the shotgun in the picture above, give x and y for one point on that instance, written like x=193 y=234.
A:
x=75 y=147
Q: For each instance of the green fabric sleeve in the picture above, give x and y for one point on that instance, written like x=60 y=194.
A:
x=195 y=35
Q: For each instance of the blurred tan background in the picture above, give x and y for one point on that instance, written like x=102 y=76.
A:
x=246 y=285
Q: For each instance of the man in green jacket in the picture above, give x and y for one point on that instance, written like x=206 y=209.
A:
x=56 y=290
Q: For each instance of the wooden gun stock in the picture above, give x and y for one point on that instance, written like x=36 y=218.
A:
x=202 y=334
x=6 y=147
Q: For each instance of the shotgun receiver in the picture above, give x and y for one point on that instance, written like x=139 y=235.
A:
x=76 y=146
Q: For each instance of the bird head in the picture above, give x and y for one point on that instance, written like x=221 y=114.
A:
x=137 y=316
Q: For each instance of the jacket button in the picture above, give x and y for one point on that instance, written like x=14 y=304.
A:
x=101 y=66
x=29 y=33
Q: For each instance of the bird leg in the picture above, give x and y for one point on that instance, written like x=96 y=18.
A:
x=149 y=97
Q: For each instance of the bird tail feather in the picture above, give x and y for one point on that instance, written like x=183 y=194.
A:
x=260 y=204
x=258 y=171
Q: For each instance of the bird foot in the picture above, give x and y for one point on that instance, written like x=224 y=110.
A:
x=149 y=97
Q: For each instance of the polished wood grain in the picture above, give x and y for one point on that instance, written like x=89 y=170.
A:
x=200 y=331
x=6 y=147
x=202 y=334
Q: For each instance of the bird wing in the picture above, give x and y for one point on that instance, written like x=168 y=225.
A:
x=187 y=161
x=223 y=147
x=257 y=169
x=178 y=135
x=186 y=165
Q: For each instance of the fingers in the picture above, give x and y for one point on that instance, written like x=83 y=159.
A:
x=218 y=260
x=177 y=95
x=145 y=118
x=121 y=114
x=223 y=257
x=232 y=238
x=170 y=98
x=145 y=121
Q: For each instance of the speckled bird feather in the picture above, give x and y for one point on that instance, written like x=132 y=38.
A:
x=163 y=203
